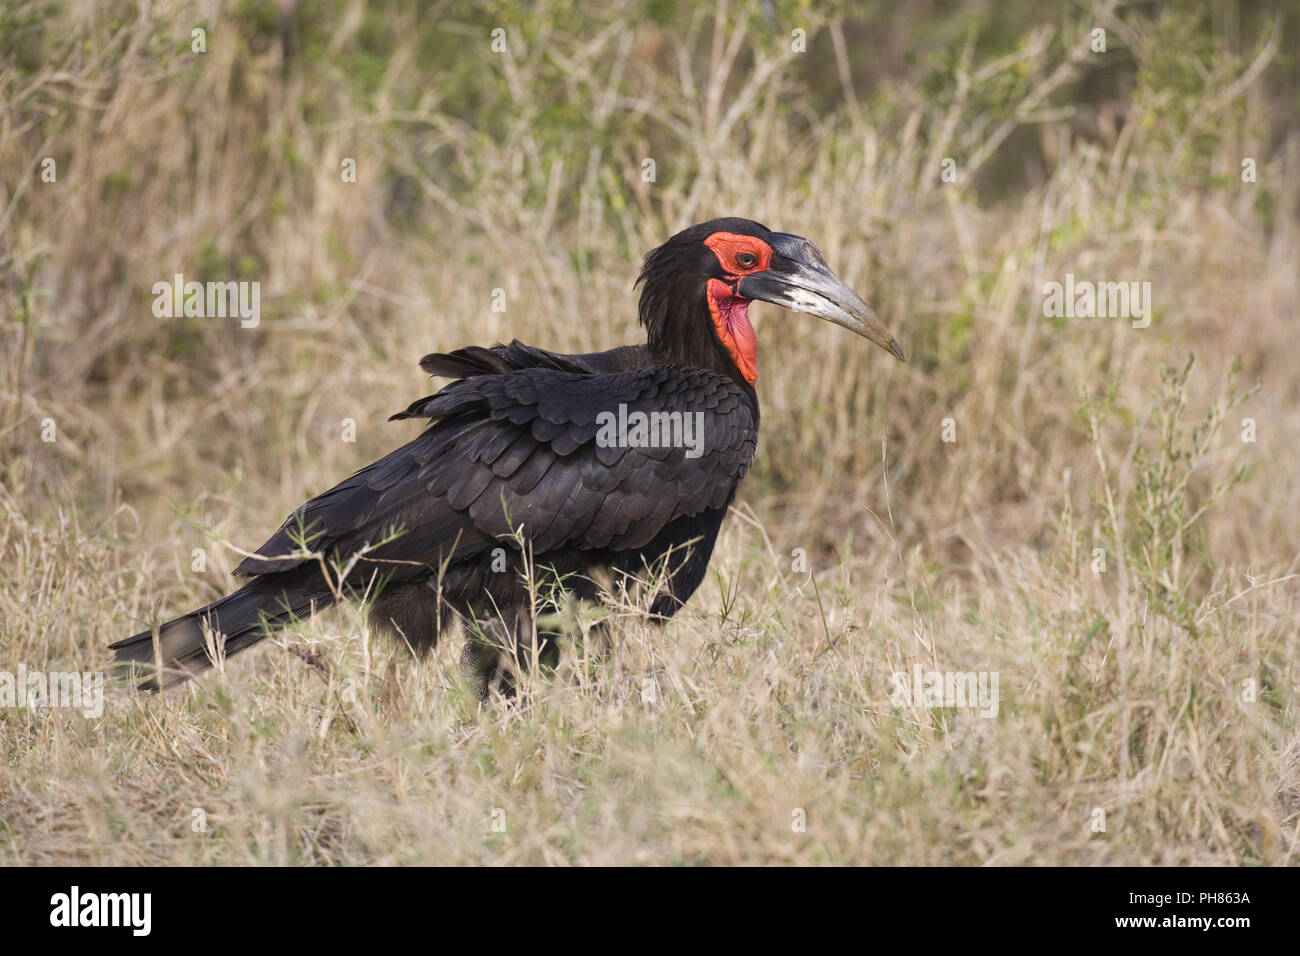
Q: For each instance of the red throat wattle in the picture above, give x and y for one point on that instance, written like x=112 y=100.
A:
x=731 y=320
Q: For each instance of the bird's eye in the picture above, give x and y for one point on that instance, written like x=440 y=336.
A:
x=747 y=259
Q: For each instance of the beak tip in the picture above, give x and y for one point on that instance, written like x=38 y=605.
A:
x=896 y=352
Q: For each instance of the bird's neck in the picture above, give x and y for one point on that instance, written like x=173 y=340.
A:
x=714 y=333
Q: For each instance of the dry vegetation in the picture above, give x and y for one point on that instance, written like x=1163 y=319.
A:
x=1122 y=690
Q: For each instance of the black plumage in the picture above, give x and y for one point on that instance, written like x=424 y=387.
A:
x=511 y=459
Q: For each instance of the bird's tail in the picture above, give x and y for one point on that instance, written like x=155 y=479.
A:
x=234 y=622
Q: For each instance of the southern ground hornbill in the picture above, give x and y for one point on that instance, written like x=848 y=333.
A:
x=521 y=465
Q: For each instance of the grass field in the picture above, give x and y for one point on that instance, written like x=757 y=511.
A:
x=1102 y=514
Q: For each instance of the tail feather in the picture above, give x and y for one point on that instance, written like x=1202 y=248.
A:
x=235 y=622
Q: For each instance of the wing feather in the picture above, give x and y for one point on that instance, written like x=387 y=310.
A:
x=513 y=445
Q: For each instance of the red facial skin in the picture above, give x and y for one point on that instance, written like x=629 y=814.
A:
x=728 y=245
x=731 y=312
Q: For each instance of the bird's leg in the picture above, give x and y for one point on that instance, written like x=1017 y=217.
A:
x=484 y=667
x=486 y=660
x=497 y=651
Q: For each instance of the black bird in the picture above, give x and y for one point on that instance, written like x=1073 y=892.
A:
x=540 y=459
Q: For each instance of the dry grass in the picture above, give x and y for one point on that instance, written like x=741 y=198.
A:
x=771 y=693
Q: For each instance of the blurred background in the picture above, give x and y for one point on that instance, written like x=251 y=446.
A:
x=541 y=149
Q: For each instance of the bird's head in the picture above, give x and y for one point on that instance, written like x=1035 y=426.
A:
x=697 y=286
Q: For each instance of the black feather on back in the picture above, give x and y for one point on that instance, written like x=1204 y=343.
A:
x=512 y=447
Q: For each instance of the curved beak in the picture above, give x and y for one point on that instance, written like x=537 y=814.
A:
x=799 y=279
